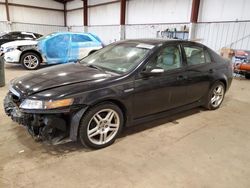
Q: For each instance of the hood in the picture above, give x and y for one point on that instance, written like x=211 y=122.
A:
x=19 y=43
x=57 y=76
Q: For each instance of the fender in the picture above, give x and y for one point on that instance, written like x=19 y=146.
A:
x=31 y=48
x=28 y=48
x=75 y=122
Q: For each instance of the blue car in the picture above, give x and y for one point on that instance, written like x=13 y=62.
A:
x=55 y=48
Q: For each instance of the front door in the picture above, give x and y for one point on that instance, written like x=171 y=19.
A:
x=56 y=49
x=159 y=93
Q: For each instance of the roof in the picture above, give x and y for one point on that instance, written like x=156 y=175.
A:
x=155 y=41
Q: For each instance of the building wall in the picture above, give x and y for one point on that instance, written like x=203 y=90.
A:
x=234 y=35
x=100 y=15
x=32 y=19
x=224 y=23
x=94 y=2
x=32 y=15
x=138 y=12
x=224 y=10
x=3 y=13
x=75 y=18
x=105 y=15
x=21 y=14
x=39 y=3
x=158 y=11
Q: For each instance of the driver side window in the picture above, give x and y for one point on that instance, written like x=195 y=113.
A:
x=168 y=59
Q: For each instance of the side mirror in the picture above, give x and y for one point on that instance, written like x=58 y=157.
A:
x=152 y=72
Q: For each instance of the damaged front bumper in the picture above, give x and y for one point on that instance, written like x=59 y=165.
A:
x=50 y=126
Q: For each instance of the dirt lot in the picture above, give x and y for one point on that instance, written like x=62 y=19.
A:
x=196 y=148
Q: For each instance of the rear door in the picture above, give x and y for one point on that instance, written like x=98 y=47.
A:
x=80 y=46
x=199 y=71
x=162 y=92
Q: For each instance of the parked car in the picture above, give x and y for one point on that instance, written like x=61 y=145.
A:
x=123 y=84
x=18 y=35
x=56 y=48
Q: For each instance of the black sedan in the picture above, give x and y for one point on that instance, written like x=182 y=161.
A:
x=123 y=84
x=18 y=35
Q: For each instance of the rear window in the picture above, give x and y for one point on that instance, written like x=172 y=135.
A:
x=96 y=37
x=80 y=38
x=196 y=55
x=207 y=57
x=26 y=36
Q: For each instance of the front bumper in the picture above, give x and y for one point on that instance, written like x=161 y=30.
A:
x=49 y=128
x=12 y=110
x=13 y=56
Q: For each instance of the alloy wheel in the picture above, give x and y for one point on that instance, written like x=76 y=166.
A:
x=217 y=96
x=31 y=61
x=103 y=126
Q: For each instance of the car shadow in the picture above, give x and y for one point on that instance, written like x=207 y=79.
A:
x=77 y=147
x=159 y=122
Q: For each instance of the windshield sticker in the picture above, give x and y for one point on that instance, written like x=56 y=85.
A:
x=147 y=46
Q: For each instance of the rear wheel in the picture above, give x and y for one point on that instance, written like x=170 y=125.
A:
x=101 y=125
x=30 y=61
x=215 y=96
x=247 y=75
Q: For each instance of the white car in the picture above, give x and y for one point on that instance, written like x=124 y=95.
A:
x=56 y=48
x=12 y=51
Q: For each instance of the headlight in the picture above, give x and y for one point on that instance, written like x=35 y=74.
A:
x=10 y=49
x=38 y=104
x=32 y=104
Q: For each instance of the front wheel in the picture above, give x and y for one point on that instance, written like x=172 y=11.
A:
x=215 y=96
x=101 y=125
x=30 y=61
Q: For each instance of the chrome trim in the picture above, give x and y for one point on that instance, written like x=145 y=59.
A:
x=128 y=90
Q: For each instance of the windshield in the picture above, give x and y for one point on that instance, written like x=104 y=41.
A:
x=119 y=58
x=2 y=34
x=46 y=36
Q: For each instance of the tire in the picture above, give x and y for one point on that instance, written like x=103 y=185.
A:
x=215 y=96
x=30 y=61
x=92 y=134
x=247 y=75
